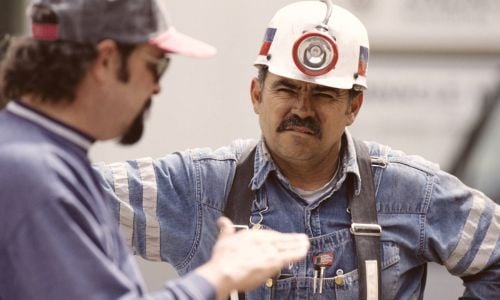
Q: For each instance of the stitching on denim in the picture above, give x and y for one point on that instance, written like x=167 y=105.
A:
x=427 y=170
x=430 y=182
x=199 y=217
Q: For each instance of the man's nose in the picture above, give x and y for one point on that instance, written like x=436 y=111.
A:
x=303 y=105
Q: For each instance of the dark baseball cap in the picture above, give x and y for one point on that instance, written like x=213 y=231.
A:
x=124 y=21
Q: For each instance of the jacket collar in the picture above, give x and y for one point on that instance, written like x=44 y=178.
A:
x=65 y=131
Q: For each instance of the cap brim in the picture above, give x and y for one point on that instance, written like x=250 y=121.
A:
x=173 y=41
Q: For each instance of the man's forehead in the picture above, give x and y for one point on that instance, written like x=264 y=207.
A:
x=277 y=80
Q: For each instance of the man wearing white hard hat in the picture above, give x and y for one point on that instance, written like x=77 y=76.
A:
x=375 y=216
x=87 y=73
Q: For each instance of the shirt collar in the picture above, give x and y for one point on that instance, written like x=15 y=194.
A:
x=65 y=131
x=264 y=164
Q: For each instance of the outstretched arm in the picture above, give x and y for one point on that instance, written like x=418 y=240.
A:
x=178 y=197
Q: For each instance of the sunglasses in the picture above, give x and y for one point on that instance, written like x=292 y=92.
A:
x=158 y=66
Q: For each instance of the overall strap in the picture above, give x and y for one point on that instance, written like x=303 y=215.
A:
x=241 y=196
x=365 y=227
x=239 y=202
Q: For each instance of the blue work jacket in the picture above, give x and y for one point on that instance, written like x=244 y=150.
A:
x=58 y=240
x=168 y=208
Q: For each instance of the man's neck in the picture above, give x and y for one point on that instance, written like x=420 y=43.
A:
x=310 y=175
x=66 y=112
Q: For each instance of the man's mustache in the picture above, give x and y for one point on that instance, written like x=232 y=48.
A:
x=295 y=121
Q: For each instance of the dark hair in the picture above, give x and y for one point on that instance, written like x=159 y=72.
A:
x=261 y=74
x=353 y=93
x=51 y=70
x=125 y=50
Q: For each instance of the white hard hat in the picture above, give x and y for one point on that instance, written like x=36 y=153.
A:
x=316 y=42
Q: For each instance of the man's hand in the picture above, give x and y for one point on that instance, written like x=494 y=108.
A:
x=242 y=260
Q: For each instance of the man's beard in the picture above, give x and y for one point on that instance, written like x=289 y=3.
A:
x=134 y=132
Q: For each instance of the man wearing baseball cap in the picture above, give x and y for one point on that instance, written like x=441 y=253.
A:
x=87 y=73
x=375 y=216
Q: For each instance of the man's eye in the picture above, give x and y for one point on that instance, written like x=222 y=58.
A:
x=286 y=90
x=324 y=96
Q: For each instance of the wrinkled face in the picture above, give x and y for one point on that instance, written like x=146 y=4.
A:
x=302 y=121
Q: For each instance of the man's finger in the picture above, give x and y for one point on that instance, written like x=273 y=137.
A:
x=225 y=226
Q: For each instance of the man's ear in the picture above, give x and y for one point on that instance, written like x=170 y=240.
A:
x=106 y=60
x=356 y=104
x=256 y=94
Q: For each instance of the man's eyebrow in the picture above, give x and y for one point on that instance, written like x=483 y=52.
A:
x=316 y=88
x=322 y=88
x=284 y=82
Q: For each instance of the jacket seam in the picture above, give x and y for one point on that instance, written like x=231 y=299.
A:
x=199 y=216
x=423 y=217
x=423 y=169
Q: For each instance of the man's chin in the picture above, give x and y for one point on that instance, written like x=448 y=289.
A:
x=136 y=129
x=133 y=134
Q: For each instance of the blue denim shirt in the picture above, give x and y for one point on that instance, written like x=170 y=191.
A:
x=168 y=209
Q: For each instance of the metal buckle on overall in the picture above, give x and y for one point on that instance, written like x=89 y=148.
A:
x=366 y=229
x=240 y=227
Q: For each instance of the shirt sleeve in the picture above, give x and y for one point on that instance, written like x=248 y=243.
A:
x=59 y=252
x=193 y=286
x=462 y=230
x=155 y=202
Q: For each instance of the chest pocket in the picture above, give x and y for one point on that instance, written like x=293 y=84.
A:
x=340 y=280
x=390 y=273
